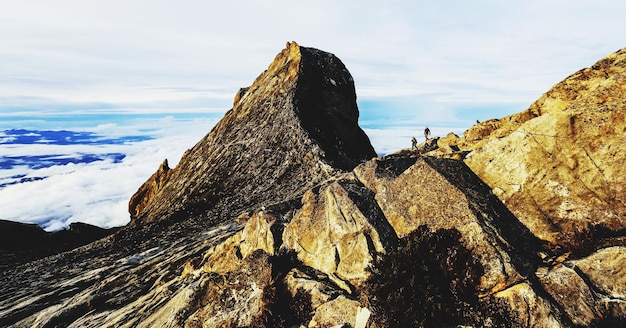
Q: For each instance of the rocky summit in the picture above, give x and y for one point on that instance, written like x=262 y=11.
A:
x=282 y=216
x=295 y=126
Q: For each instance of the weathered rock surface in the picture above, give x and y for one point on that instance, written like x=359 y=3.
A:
x=561 y=172
x=278 y=219
x=445 y=194
x=591 y=287
x=295 y=126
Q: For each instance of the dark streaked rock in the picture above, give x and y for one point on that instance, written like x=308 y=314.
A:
x=295 y=126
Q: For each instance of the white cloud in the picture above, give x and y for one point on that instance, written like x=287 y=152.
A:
x=97 y=192
x=142 y=55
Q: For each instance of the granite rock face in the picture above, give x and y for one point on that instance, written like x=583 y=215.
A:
x=280 y=217
x=295 y=126
x=337 y=231
x=561 y=172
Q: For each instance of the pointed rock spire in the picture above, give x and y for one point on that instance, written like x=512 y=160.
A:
x=295 y=126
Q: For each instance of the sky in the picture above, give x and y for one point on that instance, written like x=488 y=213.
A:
x=166 y=71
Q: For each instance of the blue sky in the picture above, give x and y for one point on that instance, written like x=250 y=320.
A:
x=168 y=70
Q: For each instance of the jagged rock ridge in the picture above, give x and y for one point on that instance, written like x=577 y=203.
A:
x=295 y=126
x=417 y=239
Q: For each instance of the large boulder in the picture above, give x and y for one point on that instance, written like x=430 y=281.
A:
x=338 y=230
x=445 y=194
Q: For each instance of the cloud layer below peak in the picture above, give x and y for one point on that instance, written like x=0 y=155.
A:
x=54 y=178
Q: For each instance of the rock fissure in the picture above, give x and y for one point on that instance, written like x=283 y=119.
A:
x=597 y=293
x=505 y=288
x=545 y=215
x=543 y=293
x=595 y=164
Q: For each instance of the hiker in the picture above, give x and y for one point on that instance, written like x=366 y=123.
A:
x=413 y=143
x=426 y=133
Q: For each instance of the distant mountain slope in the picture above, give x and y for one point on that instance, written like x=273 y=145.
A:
x=20 y=243
x=561 y=171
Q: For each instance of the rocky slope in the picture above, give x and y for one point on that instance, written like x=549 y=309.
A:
x=558 y=165
x=20 y=243
x=279 y=217
x=294 y=127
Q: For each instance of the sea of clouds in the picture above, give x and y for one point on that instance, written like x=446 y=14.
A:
x=56 y=177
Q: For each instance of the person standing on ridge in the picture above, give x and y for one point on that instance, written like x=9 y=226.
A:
x=426 y=133
x=413 y=143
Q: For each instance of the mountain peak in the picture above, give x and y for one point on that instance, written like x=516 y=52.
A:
x=526 y=228
x=295 y=126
